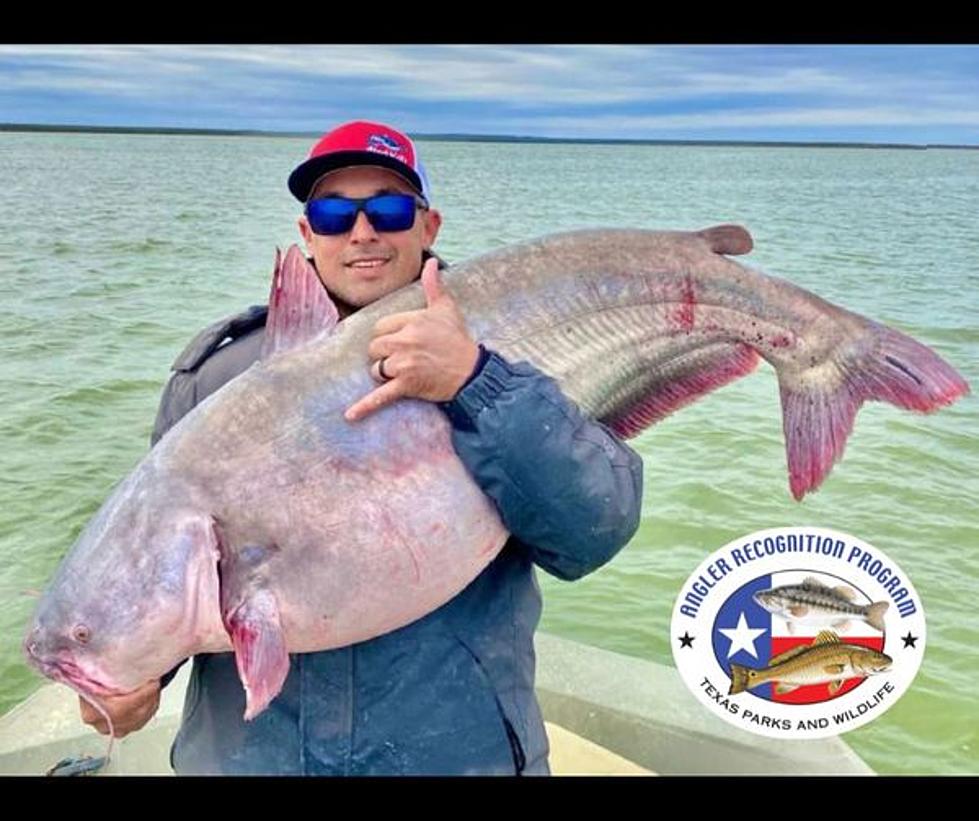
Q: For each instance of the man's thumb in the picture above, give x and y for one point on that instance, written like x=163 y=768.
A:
x=432 y=282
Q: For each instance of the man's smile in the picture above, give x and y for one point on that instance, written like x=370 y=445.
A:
x=367 y=262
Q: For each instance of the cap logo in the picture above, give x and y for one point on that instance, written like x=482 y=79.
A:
x=383 y=144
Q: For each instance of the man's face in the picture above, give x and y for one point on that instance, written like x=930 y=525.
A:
x=364 y=264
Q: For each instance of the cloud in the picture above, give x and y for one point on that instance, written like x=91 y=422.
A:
x=538 y=75
x=596 y=90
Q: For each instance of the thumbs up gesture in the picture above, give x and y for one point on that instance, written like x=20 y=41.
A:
x=423 y=354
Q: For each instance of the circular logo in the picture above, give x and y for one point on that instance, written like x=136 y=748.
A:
x=798 y=632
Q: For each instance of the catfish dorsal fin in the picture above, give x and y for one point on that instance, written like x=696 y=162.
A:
x=300 y=309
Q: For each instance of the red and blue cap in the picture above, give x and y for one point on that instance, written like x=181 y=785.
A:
x=360 y=143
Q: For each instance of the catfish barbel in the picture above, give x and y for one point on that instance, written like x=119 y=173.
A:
x=267 y=524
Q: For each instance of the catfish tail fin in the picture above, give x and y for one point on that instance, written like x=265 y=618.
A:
x=885 y=365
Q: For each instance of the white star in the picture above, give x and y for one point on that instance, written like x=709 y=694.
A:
x=742 y=637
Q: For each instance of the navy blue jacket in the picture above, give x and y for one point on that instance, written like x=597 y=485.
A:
x=453 y=692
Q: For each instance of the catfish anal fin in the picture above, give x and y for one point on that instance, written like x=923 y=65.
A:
x=691 y=376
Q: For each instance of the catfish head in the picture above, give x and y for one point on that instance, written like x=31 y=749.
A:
x=137 y=593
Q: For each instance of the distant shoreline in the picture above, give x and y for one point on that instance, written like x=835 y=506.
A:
x=471 y=138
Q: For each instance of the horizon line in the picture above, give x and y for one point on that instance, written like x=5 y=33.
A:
x=460 y=137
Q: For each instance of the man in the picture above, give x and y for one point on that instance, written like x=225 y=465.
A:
x=453 y=691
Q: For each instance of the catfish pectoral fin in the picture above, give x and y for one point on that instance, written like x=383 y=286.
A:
x=260 y=649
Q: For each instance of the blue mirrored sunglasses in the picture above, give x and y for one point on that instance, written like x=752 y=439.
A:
x=386 y=212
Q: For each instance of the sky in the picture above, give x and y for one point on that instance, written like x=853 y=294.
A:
x=896 y=94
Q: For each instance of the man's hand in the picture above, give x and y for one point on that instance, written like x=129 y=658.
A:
x=128 y=712
x=425 y=354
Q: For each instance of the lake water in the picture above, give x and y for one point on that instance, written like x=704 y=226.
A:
x=116 y=249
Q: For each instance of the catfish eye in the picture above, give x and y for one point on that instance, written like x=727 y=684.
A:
x=81 y=633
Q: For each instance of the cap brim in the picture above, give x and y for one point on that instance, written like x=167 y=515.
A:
x=302 y=180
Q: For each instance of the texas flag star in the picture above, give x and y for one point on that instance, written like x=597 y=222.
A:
x=742 y=637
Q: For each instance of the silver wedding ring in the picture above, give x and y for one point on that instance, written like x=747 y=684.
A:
x=380 y=370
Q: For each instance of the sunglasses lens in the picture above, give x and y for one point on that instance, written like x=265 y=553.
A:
x=331 y=215
x=391 y=212
x=337 y=215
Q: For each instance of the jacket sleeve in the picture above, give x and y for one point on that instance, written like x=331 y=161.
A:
x=564 y=485
x=178 y=399
x=207 y=363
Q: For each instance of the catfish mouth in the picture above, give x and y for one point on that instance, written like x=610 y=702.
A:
x=71 y=675
x=67 y=672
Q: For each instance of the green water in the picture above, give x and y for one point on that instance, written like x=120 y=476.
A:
x=116 y=249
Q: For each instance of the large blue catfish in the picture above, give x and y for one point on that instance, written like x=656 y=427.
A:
x=266 y=524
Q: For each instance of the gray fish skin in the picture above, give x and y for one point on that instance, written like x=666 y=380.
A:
x=328 y=533
x=813 y=602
